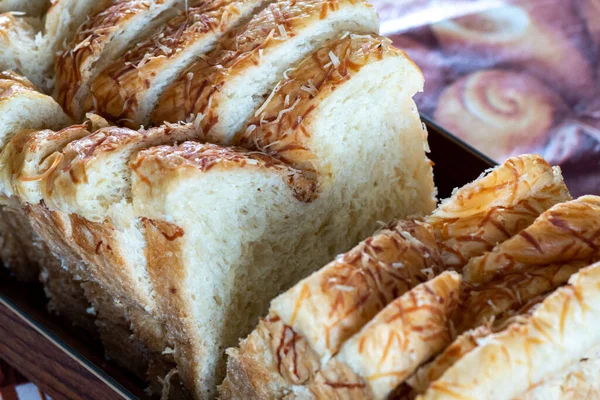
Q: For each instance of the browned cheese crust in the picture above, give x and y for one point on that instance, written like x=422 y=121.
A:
x=566 y=233
x=72 y=65
x=204 y=157
x=196 y=92
x=114 y=92
x=494 y=208
x=279 y=127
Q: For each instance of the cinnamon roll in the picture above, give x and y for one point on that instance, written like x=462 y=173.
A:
x=501 y=113
x=543 y=39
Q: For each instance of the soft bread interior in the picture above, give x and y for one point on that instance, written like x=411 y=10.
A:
x=245 y=93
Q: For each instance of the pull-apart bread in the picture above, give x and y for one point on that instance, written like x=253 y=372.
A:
x=185 y=236
x=101 y=40
x=309 y=325
x=127 y=91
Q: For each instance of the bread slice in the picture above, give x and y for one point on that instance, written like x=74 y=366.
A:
x=372 y=363
x=222 y=91
x=128 y=90
x=99 y=41
x=18 y=38
x=31 y=8
x=31 y=44
x=581 y=380
x=287 y=348
x=558 y=334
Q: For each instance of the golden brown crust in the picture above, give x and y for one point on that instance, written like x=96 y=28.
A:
x=12 y=84
x=279 y=127
x=495 y=207
x=392 y=345
x=203 y=157
x=334 y=303
x=566 y=233
x=197 y=90
x=74 y=64
x=560 y=331
x=115 y=91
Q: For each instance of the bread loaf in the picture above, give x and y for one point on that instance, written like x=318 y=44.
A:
x=313 y=321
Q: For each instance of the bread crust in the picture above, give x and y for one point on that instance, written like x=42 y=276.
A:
x=198 y=91
x=566 y=233
x=394 y=343
x=556 y=335
x=118 y=91
x=495 y=207
x=75 y=67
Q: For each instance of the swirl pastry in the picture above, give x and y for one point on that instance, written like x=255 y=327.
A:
x=499 y=112
x=523 y=38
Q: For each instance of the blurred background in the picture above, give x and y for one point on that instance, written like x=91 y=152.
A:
x=509 y=77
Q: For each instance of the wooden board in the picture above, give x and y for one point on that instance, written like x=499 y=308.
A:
x=67 y=364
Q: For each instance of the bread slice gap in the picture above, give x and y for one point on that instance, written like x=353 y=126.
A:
x=127 y=90
x=101 y=40
x=222 y=91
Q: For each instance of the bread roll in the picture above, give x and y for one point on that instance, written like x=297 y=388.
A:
x=499 y=112
x=99 y=41
x=558 y=333
x=128 y=90
x=544 y=39
x=221 y=92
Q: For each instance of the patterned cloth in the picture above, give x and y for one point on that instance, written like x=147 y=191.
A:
x=508 y=77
